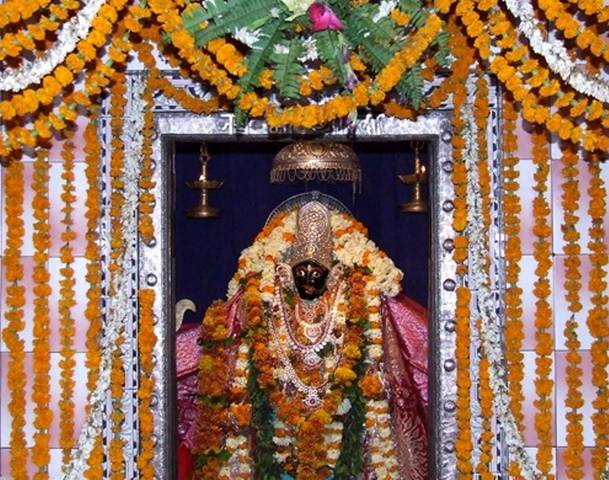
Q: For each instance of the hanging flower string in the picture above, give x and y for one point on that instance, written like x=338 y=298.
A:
x=41 y=391
x=514 y=328
x=597 y=319
x=573 y=454
x=544 y=348
x=66 y=303
x=15 y=300
x=487 y=437
x=117 y=200
x=464 y=442
x=146 y=343
x=93 y=312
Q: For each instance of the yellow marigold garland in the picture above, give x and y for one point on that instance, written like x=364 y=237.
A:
x=62 y=116
x=213 y=383
x=93 y=312
x=66 y=303
x=573 y=454
x=15 y=11
x=17 y=44
x=146 y=343
x=597 y=322
x=157 y=82
x=487 y=437
x=146 y=183
x=15 y=300
x=464 y=442
x=117 y=242
x=41 y=391
x=544 y=348
x=514 y=328
x=405 y=59
x=63 y=75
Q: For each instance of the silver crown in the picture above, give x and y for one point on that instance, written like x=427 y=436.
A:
x=313 y=235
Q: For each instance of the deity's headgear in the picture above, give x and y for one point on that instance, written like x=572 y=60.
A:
x=313 y=235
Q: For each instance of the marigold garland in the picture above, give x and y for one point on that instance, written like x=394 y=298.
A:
x=63 y=76
x=17 y=44
x=213 y=379
x=93 y=312
x=41 y=391
x=157 y=82
x=464 y=441
x=514 y=328
x=597 y=316
x=62 y=116
x=66 y=303
x=572 y=284
x=544 y=348
x=15 y=300
x=487 y=437
x=146 y=343
x=117 y=161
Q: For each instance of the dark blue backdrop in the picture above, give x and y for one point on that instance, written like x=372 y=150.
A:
x=206 y=251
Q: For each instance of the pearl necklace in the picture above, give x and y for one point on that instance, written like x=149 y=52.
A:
x=309 y=353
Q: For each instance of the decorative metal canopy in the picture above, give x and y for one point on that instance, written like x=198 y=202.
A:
x=308 y=161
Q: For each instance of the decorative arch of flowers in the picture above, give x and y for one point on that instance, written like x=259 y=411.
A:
x=306 y=63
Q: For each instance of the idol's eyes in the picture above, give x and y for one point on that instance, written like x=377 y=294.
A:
x=315 y=274
x=301 y=273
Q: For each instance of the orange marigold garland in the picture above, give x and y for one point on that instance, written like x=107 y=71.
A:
x=41 y=391
x=573 y=454
x=481 y=113
x=464 y=442
x=597 y=319
x=93 y=312
x=117 y=163
x=146 y=183
x=66 y=303
x=514 y=329
x=213 y=383
x=15 y=300
x=544 y=348
x=146 y=343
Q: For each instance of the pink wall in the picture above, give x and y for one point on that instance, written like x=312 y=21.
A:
x=54 y=265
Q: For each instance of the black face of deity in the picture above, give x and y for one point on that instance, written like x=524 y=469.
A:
x=310 y=279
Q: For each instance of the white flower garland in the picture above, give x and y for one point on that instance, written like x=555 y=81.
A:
x=351 y=249
x=121 y=307
x=555 y=53
x=383 y=459
x=239 y=463
x=16 y=79
x=491 y=331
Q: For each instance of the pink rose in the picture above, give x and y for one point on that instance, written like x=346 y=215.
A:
x=323 y=18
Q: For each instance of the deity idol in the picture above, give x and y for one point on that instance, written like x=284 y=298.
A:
x=314 y=368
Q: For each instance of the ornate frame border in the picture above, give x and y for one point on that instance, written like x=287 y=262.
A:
x=154 y=263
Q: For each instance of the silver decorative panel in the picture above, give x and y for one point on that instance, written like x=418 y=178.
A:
x=153 y=260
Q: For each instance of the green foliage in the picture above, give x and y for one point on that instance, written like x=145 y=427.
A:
x=410 y=87
x=330 y=46
x=287 y=69
x=270 y=34
x=409 y=6
x=361 y=24
x=226 y=17
x=442 y=56
x=267 y=467
x=350 y=462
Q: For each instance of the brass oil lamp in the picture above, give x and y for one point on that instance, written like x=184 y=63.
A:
x=418 y=179
x=204 y=185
